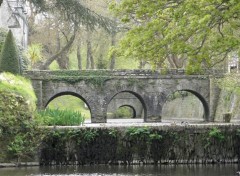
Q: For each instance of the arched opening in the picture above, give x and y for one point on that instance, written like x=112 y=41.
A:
x=70 y=104
x=185 y=105
x=126 y=105
x=125 y=112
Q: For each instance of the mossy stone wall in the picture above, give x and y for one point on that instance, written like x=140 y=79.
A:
x=128 y=145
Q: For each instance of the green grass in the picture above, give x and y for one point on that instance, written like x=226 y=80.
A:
x=18 y=85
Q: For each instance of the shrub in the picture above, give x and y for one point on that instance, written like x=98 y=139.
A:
x=124 y=112
x=60 y=117
x=9 y=59
x=18 y=130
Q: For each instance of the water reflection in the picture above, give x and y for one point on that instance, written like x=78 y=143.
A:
x=146 y=170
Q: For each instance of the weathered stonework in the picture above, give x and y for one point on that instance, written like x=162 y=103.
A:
x=151 y=88
x=126 y=99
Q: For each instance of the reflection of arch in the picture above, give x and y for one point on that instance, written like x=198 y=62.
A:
x=202 y=100
x=68 y=93
x=133 y=110
x=136 y=95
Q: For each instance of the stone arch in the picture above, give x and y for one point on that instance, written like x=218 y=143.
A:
x=137 y=95
x=133 y=110
x=69 y=93
x=206 y=110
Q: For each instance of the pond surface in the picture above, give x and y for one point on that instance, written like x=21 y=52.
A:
x=136 y=170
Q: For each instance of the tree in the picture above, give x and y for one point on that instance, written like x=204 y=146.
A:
x=192 y=33
x=9 y=59
x=71 y=13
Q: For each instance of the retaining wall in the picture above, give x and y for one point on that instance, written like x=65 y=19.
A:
x=130 y=145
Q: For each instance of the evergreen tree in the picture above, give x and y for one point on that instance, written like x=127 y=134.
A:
x=9 y=60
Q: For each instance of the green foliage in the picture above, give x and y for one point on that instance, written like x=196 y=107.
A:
x=76 y=12
x=123 y=112
x=60 y=117
x=96 y=78
x=20 y=86
x=140 y=133
x=203 y=32
x=20 y=135
x=34 y=53
x=143 y=133
x=9 y=59
x=216 y=134
x=230 y=83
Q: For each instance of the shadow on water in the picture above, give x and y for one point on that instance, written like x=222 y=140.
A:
x=136 y=170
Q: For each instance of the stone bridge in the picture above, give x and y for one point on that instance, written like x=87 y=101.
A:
x=98 y=87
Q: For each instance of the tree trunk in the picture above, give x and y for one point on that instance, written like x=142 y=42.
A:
x=113 y=57
x=88 y=57
x=90 y=60
x=62 y=60
x=79 y=57
x=68 y=45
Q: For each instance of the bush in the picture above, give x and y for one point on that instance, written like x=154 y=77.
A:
x=124 y=112
x=9 y=59
x=18 y=130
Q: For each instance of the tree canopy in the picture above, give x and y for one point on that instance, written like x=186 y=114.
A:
x=64 y=19
x=192 y=33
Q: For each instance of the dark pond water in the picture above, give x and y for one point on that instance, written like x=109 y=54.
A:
x=168 y=170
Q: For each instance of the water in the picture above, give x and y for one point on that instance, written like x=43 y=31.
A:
x=166 y=170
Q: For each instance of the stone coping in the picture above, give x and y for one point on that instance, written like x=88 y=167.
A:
x=164 y=125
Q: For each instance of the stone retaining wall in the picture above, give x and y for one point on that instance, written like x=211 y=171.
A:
x=129 y=145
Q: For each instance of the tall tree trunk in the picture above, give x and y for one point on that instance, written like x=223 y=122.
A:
x=62 y=60
x=113 y=57
x=88 y=55
x=90 y=60
x=79 y=57
x=68 y=45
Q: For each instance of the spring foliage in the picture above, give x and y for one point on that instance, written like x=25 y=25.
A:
x=9 y=59
x=202 y=33
x=18 y=129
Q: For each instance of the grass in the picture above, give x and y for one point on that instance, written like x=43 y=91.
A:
x=18 y=85
x=60 y=117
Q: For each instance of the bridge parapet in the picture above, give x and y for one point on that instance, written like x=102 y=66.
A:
x=46 y=74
